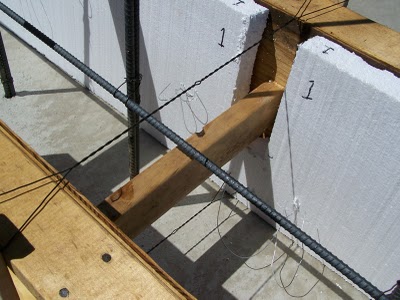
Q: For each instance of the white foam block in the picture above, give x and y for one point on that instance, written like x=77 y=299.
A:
x=336 y=149
x=92 y=31
x=180 y=43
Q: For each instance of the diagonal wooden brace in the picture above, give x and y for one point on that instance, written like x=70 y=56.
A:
x=158 y=188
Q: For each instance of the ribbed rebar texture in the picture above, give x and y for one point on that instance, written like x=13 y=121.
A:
x=5 y=73
x=395 y=294
x=132 y=79
x=191 y=152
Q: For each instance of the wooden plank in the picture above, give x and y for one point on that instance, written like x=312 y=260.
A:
x=23 y=292
x=7 y=287
x=375 y=43
x=63 y=246
x=153 y=192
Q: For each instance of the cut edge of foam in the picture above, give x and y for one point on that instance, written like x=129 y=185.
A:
x=355 y=66
x=248 y=7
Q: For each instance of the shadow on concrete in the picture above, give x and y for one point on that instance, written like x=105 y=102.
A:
x=49 y=92
x=97 y=177
x=205 y=277
x=117 y=12
x=86 y=39
x=147 y=88
x=77 y=87
x=258 y=175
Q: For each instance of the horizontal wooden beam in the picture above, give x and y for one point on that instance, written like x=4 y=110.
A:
x=153 y=192
x=69 y=247
x=375 y=43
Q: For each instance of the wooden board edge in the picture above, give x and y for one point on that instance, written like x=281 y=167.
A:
x=375 y=43
x=7 y=287
x=90 y=209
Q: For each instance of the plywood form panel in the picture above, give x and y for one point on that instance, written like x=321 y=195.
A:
x=64 y=244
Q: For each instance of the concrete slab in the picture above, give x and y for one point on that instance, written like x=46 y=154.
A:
x=386 y=12
x=63 y=122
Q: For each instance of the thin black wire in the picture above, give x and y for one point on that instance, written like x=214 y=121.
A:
x=305 y=8
x=26 y=191
x=32 y=182
x=118 y=87
x=207 y=235
x=324 y=8
x=186 y=222
x=43 y=203
x=307 y=14
x=326 y=12
x=36 y=211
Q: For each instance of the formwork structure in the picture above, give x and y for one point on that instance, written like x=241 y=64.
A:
x=66 y=220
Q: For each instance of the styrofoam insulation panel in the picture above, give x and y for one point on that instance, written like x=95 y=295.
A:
x=180 y=43
x=333 y=161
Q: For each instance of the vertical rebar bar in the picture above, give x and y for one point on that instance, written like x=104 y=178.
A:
x=132 y=79
x=5 y=73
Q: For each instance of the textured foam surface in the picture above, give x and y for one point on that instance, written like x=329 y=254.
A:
x=93 y=31
x=335 y=157
x=180 y=43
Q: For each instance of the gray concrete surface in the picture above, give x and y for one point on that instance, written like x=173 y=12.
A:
x=63 y=123
x=386 y=12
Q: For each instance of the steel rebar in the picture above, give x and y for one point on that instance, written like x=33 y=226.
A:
x=5 y=73
x=132 y=79
x=193 y=153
